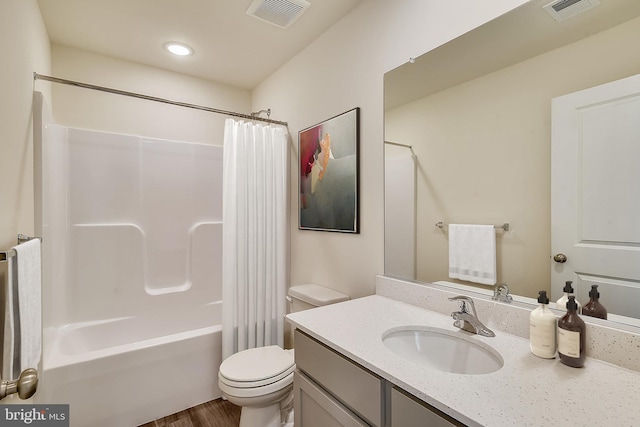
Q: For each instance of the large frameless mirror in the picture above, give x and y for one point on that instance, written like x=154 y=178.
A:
x=470 y=139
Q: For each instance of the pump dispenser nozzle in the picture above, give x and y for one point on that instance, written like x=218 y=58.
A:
x=567 y=287
x=542 y=297
x=561 y=304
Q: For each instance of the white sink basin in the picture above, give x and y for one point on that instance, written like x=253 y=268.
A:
x=444 y=350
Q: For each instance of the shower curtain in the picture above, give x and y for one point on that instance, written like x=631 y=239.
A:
x=254 y=243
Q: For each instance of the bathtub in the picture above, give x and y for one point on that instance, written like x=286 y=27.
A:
x=128 y=371
x=132 y=275
x=132 y=282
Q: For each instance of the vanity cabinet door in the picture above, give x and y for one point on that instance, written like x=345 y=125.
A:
x=314 y=407
x=407 y=411
x=350 y=384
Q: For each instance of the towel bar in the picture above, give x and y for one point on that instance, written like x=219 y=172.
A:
x=6 y=255
x=504 y=226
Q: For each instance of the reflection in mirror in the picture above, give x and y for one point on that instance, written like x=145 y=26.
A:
x=477 y=114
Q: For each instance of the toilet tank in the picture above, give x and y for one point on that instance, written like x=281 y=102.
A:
x=303 y=297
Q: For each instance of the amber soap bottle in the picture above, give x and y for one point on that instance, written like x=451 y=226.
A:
x=594 y=308
x=571 y=336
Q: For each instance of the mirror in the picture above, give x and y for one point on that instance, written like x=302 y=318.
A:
x=468 y=127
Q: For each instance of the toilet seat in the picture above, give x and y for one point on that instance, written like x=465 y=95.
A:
x=255 y=392
x=257 y=367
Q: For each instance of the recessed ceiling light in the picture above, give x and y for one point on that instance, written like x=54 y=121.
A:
x=179 y=49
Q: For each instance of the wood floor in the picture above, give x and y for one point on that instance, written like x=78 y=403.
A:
x=217 y=413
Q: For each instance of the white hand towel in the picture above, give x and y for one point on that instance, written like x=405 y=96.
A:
x=8 y=337
x=472 y=253
x=23 y=311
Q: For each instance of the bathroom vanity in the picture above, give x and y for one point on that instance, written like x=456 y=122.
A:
x=332 y=390
x=347 y=376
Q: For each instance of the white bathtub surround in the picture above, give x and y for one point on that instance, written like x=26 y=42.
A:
x=513 y=395
x=132 y=270
x=254 y=236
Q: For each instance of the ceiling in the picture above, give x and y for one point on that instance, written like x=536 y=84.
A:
x=488 y=49
x=230 y=46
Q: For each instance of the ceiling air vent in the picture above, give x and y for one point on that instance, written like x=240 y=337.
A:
x=565 y=9
x=282 y=13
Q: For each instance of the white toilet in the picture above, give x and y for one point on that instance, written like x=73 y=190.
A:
x=261 y=379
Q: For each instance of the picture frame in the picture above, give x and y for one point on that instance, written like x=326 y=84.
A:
x=328 y=198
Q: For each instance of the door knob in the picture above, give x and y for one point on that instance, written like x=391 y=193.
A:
x=25 y=386
x=561 y=258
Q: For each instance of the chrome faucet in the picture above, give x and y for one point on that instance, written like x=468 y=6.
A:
x=501 y=293
x=469 y=320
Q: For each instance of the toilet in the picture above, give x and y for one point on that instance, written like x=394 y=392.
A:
x=260 y=380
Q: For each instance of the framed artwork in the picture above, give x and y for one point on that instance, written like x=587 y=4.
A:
x=328 y=196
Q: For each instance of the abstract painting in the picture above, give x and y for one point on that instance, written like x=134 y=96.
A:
x=328 y=199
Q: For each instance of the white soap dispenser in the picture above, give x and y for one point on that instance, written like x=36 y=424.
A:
x=542 y=329
x=561 y=304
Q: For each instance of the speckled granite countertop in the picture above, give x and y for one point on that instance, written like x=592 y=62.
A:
x=527 y=391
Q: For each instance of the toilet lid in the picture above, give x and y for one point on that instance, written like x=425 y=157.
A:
x=256 y=365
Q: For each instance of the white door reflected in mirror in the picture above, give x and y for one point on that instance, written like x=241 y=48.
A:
x=595 y=196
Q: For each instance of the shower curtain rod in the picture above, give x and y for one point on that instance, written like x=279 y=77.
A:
x=410 y=147
x=398 y=144
x=37 y=76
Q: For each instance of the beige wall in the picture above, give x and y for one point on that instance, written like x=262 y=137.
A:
x=90 y=109
x=483 y=151
x=341 y=70
x=24 y=49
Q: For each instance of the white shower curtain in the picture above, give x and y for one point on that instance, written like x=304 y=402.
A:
x=254 y=248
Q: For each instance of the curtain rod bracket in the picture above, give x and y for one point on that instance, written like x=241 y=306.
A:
x=257 y=113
